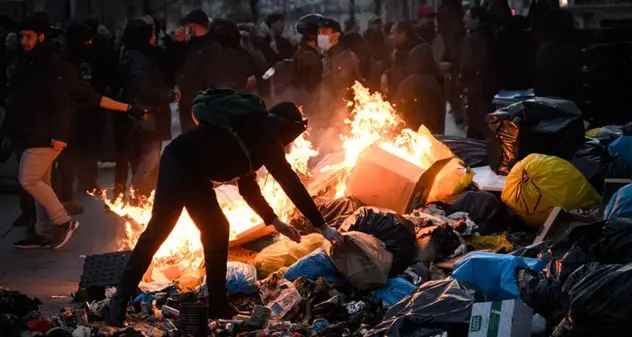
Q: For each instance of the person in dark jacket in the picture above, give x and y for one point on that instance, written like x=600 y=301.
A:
x=236 y=68
x=558 y=65
x=404 y=40
x=190 y=164
x=420 y=96
x=479 y=71
x=275 y=46
x=145 y=86
x=451 y=28
x=41 y=128
x=201 y=58
x=307 y=63
x=517 y=52
x=426 y=27
x=81 y=156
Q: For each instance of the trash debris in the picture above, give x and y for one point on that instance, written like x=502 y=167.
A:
x=285 y=253
x=539 y=183
x=362 y=260
x=620 y=205
x=434 y=308
x=539 y=125
x=484 y=209
x=436 y=243
x=394 y=230
x=597 y=164
x=417 y=273
x=472 y=151
x=516 y=318
x=499 y=279
x=314 y=265
x=495 y=243
x=282 y=299
x=395 y=290
x=334 y=211
x=622 y=147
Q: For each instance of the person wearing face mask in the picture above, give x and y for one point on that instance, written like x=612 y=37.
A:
x=341 y=67
x=200 y=58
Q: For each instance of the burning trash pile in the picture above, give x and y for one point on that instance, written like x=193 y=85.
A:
x=444 y=236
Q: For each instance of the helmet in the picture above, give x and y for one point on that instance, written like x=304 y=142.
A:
x=288 y=121
x=308 y=24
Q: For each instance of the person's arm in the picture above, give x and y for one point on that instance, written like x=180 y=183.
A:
x=283 y=173
x=83 y=92
x=60 y=101
x=250 y=191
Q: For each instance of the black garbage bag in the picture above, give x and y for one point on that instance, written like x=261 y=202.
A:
x=436 y=243
x=539 y=125
x=472 y=151
x=615 y=244
x=597 y=164
x=485 y=209
x=435 y=307
x=334 y=211
x=396 y=232
x=600 y=297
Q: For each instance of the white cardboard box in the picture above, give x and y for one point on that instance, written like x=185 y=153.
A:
x=509 y=318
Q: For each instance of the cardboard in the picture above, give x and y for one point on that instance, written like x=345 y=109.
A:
x=509 y=318
x=382 y=179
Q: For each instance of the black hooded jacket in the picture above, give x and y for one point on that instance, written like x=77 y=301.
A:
x=235 y=64
x=145 y=85
x=38 y=103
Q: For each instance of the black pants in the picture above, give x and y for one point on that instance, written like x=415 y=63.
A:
x=88 y=146
x=177 y=188
x=122 y=129
x=27 y=203
x=479 y=104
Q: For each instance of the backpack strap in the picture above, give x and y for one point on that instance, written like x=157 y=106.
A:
x=242 y=145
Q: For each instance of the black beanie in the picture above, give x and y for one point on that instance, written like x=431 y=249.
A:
x=137 y=34
x=36 y=24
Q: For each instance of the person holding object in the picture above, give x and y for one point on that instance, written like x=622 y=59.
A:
x=235 y=136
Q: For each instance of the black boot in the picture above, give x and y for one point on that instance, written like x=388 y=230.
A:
x=114 y=314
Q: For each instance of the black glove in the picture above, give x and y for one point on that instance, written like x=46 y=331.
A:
x=136 y=112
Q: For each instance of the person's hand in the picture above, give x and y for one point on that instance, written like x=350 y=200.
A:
x=287 y=230
x=180 y=34
x=137 y=113
x=332 y=235
x=384 y=83
x=58 y=145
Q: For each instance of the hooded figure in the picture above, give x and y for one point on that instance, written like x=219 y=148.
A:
x=420 y=96
x=145 y=86
x=237 y=68
x=235 y=137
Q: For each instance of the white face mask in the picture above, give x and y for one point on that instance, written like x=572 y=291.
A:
x=323 y=42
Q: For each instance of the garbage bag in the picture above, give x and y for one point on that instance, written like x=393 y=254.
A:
x=436 y=243
x=484 y=209
x=539 y=125
x=472 y=151
x=614 y=245
x=241 y=278
x=284 y=253
x=362 y=260
x=599 y=302
x=494 y=274
x=597 y=164
x=435 y=307
x=395 y=231
x=453 y=178
x=497 y=243
x=622 y=147
x=395 y=290
x=539 y=183
x=312 y=266
x=620 y=205
x=334 y=211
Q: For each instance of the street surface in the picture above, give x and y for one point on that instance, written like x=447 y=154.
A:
x=44 y=273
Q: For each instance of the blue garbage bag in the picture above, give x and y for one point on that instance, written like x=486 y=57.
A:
x=312 y=266
x=620 y=205
x=241 y=278
x=622 y=147
x=494 y=274
x=395 y=290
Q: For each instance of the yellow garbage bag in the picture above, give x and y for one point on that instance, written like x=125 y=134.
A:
x=284 y=253
x=539 y=182
x=593 y=132
x=455 y=176
x=496 y=243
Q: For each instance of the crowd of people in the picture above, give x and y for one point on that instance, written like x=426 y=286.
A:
x=61 y=85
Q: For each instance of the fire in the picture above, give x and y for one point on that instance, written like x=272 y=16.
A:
x=372 y=121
